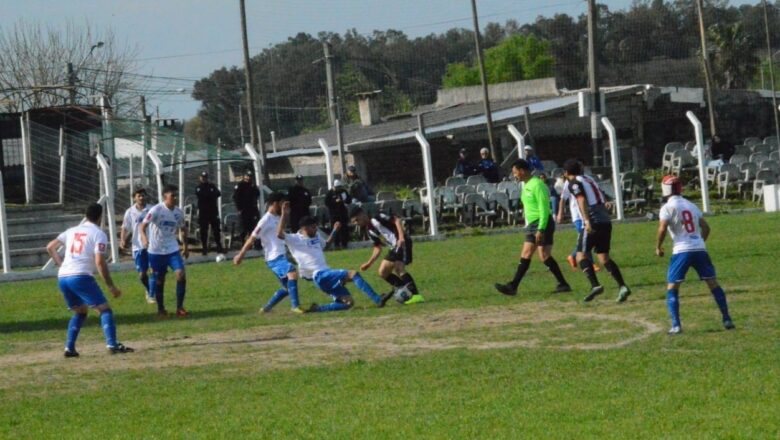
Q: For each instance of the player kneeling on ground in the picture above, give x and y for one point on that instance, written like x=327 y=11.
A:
x=389 y=230
x=85 y=246
x=308 y=250
x=689 y=231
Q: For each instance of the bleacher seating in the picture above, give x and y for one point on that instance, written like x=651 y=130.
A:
x=729 y=175
x=381 y=196
x=475 y=180
x=454 y=181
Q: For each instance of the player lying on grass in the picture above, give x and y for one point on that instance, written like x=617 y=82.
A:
x=308 y=250
x=130 y=227
x=274 y=254
x=689 y=231
x=85 y=248
x=158 y=235
x=388 y=230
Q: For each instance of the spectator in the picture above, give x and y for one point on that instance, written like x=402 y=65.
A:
x=464 y=168
x=488 y=167
x=245 y=196
x=300 y=201
x=721 y=149
x=358 y=189
x=532 y=159
x=337 y=199
x=208 y=212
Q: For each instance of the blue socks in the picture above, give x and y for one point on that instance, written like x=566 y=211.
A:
x=366 y=288
x=278 y=296
x=673 y=304
x=181 y=289
x=109 y=327
x=332 y=307
x=157 y=287
x=74 y=326
x=292 y=289
x=720 y=298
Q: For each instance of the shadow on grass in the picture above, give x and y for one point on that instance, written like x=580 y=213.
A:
x=121 y=319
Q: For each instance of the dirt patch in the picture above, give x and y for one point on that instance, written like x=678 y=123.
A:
x=345 y=338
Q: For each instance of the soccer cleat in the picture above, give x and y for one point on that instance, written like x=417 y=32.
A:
x=572 y=262
x=623 y=294
x=676 y=330
x=151 y=300
x=297 y=310
x=562 y=288
x=385 y=298
x=162 y=315
x=506 y=289
x=119 y=348
x=415 y=299
x=181 y=313
x=594 y=292
x=728 y=324
x=313 y=308
x=596 y=268
x=71 y=353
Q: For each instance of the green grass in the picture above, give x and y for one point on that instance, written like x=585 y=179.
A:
x=438 y=377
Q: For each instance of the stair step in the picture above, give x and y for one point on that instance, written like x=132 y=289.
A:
x=42 y=225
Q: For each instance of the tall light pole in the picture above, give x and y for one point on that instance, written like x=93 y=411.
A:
x=771 y=70
x=72 y=73
x=250 y=108
x=496 y=153
x=593 y=80
x=706 y=65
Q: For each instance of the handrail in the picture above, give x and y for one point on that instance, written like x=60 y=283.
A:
x=105 y=169
x=328 y=161
x=699 y=131
x=158 y=166
x=613 y=150
x=427 y=167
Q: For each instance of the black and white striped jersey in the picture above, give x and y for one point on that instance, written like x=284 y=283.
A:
x=586 y=187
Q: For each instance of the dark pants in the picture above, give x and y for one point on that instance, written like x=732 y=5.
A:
x=342 y=236
x=205 y=222
x=248 y=222
x=295 y=219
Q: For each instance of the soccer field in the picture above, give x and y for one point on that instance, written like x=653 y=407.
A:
x=468 y=363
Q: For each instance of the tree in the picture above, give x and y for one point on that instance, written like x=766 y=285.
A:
x=34 y=63
x=733 y=61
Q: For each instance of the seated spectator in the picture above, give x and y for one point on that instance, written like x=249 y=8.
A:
x=464 y=168
x=488 y=167
x=532 y=159
x=358 y=189
x=721 y=149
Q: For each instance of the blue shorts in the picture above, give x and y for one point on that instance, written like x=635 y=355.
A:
x=141 y=260
x=81 y=289
x=280 y=266
x=160 y=263
x=330 y=281
x=679 y=264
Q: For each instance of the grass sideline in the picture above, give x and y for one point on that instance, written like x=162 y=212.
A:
x=455 y=367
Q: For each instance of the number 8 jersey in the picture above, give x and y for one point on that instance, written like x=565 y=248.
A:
x=81 y=244
x=683 y=218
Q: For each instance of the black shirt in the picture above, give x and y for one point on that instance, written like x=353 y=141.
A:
x=337 y=200
x=300 y=199
x=245 y=196
x=208 y=196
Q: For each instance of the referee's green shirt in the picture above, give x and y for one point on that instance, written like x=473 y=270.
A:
x=536 y=202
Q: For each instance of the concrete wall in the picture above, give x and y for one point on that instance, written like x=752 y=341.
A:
x=535 y=88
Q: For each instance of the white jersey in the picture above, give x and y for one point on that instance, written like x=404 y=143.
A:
x=132 y=223
x=574 y=206
x=81 y=244
x=273 y=246
x=683 y=217
x=308 y=252
x=163 y=226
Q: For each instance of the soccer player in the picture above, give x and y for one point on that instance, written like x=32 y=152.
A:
x=274 y=253
x=539 y=229
x=85 y=248
x=388 y=230
x=689 y=231
x=307 y=249
x=597 y=234
x=133 y=218
x=158 y=236
x=576 y=219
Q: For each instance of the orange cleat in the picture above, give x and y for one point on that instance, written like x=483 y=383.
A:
x=572 y=262
x=181 y=313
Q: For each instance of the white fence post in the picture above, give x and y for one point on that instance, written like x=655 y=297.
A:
x=158 y=171
x=519 y=138
x=705 y=190
x=182 y=159
x=328 y=161
x=257 y=160
x=428 y=168
x=105 y=169
x=4 y=229
x=613 y=149
x=130 y=173
x=63 y=155
x=27 y=159
x=219 y=179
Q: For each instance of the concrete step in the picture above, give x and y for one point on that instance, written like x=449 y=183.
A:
x=42 y=225
x=30 y=241
x=35 y=257
x=34 y=211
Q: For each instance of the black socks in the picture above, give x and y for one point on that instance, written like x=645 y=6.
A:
x=522 y=268
x=614 y=270
x=587 y=267
x=555 y=269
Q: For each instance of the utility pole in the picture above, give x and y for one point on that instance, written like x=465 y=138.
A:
x=147 y=138
x=496 y=153
x=593 y=79
x=771 y=70
x=330 y=86
x=248 y=75
x=71 y=84
x=706 y=64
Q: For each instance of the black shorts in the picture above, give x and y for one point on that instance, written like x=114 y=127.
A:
x=403 y=254
x=599 y=239
x=547 y=237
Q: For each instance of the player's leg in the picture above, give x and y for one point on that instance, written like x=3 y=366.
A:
x=89 y=291
x=529 y=247
x=585 y=243
x=678 y=267
x=361 y=284
x=602 y=247
x=79 y=309
x=545 y=255
x=142 y=267
x=159 y=265
x=177 y=265
x=342 y=300
x=706 y=270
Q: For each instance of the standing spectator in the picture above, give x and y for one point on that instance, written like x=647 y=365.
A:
x=245 y=196
x=358 y=189
x=300 y=201
x=337 y=199
x=208 y=212
x=533 y=159
x=463 y=168
x=488 y=167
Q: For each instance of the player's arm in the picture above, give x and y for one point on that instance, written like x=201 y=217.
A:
x=183 y=238
x=283 y=220
x=375 y=252
x=52 y=247
x=399 y=227
x=582 y=202
x=705 y=228
x=559 y=217
x=543 y=202
x=332 y=236
x=248 y=244
x=660 y=237
x=102 y=267
x=143 y=230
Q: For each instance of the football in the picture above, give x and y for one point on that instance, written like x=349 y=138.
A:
x=220 y=258
x=402 y=294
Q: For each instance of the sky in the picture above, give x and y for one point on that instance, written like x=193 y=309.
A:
x=191 y=38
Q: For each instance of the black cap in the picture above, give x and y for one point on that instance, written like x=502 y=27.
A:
x=352 y=168
x=354 y=211
x=308 y=221
x=248 y=173
x=298 y=177
x=275 y=197
x=204 y=174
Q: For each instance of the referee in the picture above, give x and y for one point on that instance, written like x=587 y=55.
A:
x=539 y=229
